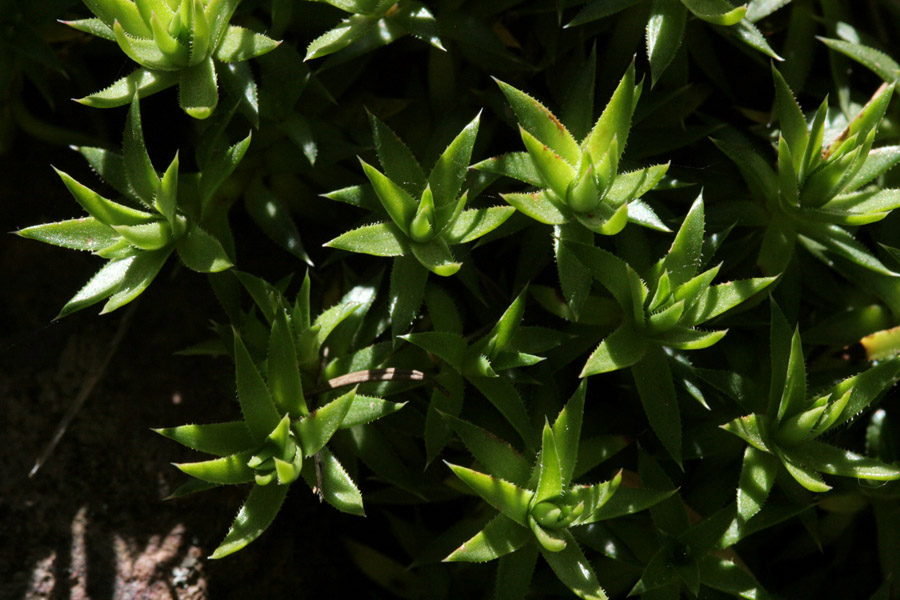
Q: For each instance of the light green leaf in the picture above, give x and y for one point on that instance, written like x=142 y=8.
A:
x=435 y=256
x=366 y=409
x=231 y=469
x=139 y=275
x=595 y=498
x=622 y=348
x=100 y=286
x=878 y=162
x=567 y=432
x=146 y=236
x=239 y=44
x=717 y=12
x=338 y=488
x=400 y=206
x=143 y=81
x=793 y=397
x=476 y=222
x=500 y=537
x=106 y=211
x=378 y=239
x=665 y=28
x=550 y=482
x=574 y=570
x=256 y=402
x=717 y=299
x=684 y=255
x=878 y=62
x=315 y=429
x=538 y=206
x=802 y=474
x=138 y=168
x=253 y=519
x=611 y=129
x=198 y=91
x=555 y=173
x=511 y=500
x=449 y=172
x=515 y=165
x=758 y=472
x=283 y=371
x=496 y=455
x=829 y=459
x=539 y=122
x=220 y=439
x=86 y=233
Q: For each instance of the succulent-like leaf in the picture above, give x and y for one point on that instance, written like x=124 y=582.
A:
x=253 y=394
x=624 y=347
x=500 y=537
x=449 y=173
x=253 y=518
x=220 y=439
x=665 y=28
x=231 y=469
x=656 y=389
x=338 y=488
x=511 y=500
x=757 y=476
x=316 y=428
x=239 y=44
x=574 y=570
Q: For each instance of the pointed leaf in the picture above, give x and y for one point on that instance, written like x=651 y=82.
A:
x=574 y=570
x=515 y=165
x=231 y=469
x=220 y=439
x=657 y=392
x=338 y=488
x=717 y=299
x=198 y=91
x=100 y=286
x=239 y=44
x=435 y=256
x=829 y=459
x=511 y=500
x=378 y=239
x=758 y=472
x=624 y=347
x=684 y=255
x=407 y=288
x=397 y=159
x=477 y=222
x=449 y=172
x=538 y=121
x=315 y=429
x=139 y=275
x=496 y=455
x=665 y=29
x=500 y=537
x=256 y=402
x=538 y=206
x=567 y=432
x=253 y=519
x=717 y=12
x=86 y=233
x=400 y=206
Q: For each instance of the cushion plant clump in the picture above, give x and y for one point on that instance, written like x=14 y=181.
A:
x=656 y=348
